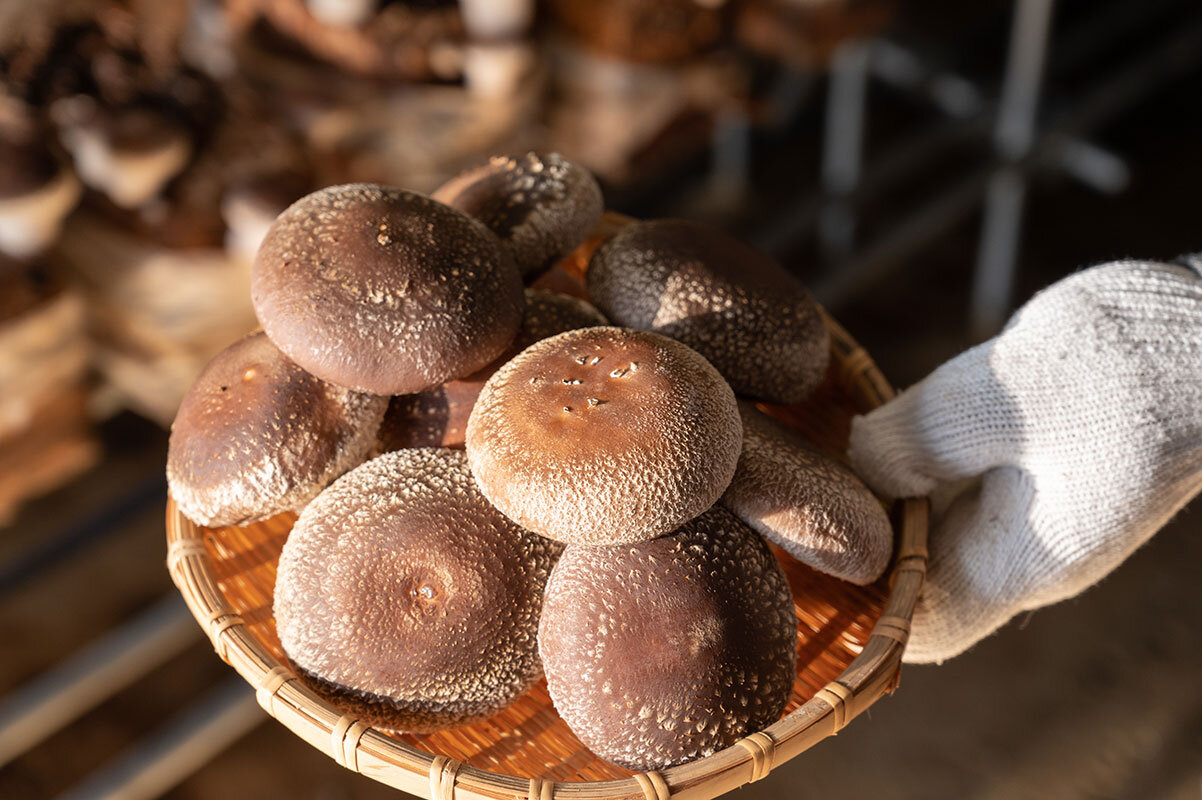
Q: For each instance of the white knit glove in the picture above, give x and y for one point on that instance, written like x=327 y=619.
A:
x=1082 y=425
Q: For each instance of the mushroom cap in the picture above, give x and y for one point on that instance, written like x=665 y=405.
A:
x=130 y=154
x=438 y=417
x=402 y=591
x=31 y=222
x=604 y=436
x=540 y=206
x=549 y=313
x=809 y=504
x=256 y=435
x=384 y=290
x=669 y=650
x=758 y=325
x=36 y=193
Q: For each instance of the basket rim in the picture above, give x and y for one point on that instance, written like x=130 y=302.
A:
x=872 y=674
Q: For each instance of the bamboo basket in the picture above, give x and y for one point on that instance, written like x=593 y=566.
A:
x=850 y=644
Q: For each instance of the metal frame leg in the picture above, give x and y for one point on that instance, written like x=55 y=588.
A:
x=730 y=161
x=1014 y=133
x=61 y=695
x=843 y=145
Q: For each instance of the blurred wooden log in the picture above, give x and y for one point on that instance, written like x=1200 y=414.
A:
x=45 y=433
x=56 y=446
x=156 y=315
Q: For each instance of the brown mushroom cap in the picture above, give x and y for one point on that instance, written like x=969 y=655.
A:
x=438 y=417
x=549 y=313
x=540 y=206
x=384 y=290
x=404 y=594
x=756 y=324
x=809 y=504
x=604 y=436
x=669 y=650
x=130 y=153
x=36 y=194
x=256 y=435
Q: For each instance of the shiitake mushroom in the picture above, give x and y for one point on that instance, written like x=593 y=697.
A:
x=665 y=651
x=403 y=594
x=757 y=324
x=604 y=436
x=809 y=504
x=384 y=290
x=541 y=206
x=256 y=435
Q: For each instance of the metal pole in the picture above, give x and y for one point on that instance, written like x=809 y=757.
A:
x=67 y=692
x=1110 y=97
x=842 y=147
x=1014 y=134
x=171 y=754
x=730 y=166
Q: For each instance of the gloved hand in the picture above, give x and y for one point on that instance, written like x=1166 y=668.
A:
x=1082 y=425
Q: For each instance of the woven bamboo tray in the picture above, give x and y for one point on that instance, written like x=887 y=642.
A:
x=850 y=645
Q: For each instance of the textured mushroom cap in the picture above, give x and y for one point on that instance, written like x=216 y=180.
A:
x=809 y=504
x=540 y=206
x=549 y=313
x=669 y=650
x=756 y=324
x=438 y=417
x=256 y=435
x=402 y=590
x=384 y=290
x=604 y=436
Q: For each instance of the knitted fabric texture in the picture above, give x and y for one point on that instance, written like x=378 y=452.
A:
x=1081 y=424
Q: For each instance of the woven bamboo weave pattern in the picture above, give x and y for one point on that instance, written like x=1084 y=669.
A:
x=850 y=644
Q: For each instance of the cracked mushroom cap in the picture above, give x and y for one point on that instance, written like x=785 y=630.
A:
x=403 y=594
x=384 y=290
x=666 y=651
x=438 y=417
x=256 y=435
x=758 y=325
x=604 y=436
x=540 y=206
x=807 y=503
